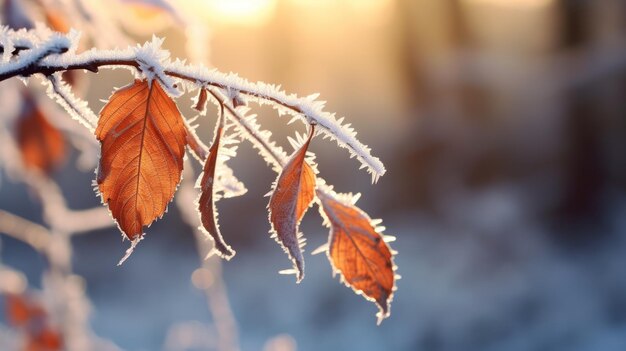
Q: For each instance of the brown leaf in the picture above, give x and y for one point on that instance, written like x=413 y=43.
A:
x=41 y=144
x=208 y=196
x=143 y=140
x=292 y=196
x=358 y=252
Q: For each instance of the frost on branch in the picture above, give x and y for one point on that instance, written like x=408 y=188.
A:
x=77 y=108
x=54 y=44
x=308 y=109
x=152 y=59
x=143 y=138
x=153 y=62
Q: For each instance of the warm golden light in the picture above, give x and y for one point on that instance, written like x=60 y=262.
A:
x=241 y=12
x=514 y=3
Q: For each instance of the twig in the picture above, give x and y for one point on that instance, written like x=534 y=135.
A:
x=307 y=109
x=31 y=233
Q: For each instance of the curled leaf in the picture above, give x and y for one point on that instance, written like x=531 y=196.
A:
x=358 y=251
x=293 y=194
x=42 y=145
x=143 y=140
x=208 y=195
x=226 y=182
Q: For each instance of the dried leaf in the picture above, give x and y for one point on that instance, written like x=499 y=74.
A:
x=208 y=195
x=293 y=194
x=143 y=140
x=42 y=145
x=201 y=100
x=358 y=251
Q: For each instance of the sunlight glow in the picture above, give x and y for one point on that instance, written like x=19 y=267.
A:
x=363 y=12
x=240 y=12
x=530 y=4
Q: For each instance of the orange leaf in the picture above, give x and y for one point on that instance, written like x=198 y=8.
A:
x=206 y=202
x=21 y=311
x=56 y=21
x=358 y=252
x=143 y=140
x=45 y=340
x=41 y=144
x=292 y=196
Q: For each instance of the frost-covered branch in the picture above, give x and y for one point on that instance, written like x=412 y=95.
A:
x=249 y=129
x=77 y=108
x=158 y=81
x=35 y=235
x=56 y=212
x=154 y=63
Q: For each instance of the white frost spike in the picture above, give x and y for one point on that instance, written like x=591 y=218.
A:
x=293 y=119
x=130 y=250
x=212 y=252
x=289 y=271
x=389 y=238
x=321 y=249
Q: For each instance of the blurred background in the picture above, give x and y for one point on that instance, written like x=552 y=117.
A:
x=502 y=124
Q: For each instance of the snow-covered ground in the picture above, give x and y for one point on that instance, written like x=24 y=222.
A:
x=487 y=279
